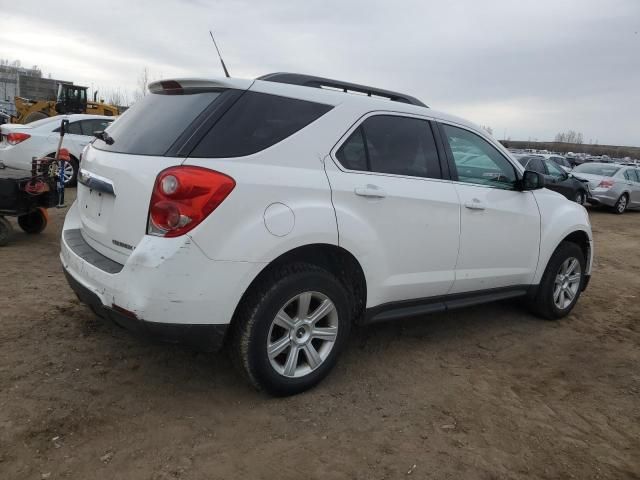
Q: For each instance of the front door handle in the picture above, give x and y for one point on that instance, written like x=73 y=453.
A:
x=475 y=204
x=371 y=191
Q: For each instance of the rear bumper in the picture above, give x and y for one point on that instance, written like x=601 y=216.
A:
x=607 y=198
x=203 y=337
x=166 y=286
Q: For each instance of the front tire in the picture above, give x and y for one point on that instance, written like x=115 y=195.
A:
x=561 y=283
x=291 y=328
x=580 y=197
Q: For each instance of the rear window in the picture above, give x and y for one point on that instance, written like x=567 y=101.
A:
x=155 y=122
x=255 y=122
x=597 y=169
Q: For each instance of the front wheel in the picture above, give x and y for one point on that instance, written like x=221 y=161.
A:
x=580 y=197
x=561 y=283
x=291 y=328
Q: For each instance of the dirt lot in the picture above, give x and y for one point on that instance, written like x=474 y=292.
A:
x=486 y=393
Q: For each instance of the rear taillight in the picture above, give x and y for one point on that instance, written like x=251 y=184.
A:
x=14 y=138
x=606 y=183
x=184 y=196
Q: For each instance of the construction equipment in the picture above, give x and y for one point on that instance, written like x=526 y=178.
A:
x=71 y=99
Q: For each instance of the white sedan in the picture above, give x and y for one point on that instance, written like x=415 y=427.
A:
x=20 y=143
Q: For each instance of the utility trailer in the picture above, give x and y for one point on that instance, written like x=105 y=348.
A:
x=27 y=197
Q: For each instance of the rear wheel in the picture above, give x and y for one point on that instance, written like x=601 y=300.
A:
x=33 y=116
x=291 y=328
x=34 y=222
x=561 y=283
x=5 y=231
x=621 y=204
x=70 y=170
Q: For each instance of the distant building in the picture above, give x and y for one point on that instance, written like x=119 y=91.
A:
x=18 y=81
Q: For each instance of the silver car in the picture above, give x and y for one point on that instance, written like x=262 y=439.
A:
x=611 y=184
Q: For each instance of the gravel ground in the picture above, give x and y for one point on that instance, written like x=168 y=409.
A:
x=486 y=393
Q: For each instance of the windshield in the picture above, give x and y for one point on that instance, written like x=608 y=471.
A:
x=597 y=169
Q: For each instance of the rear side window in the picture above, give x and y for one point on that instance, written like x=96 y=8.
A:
x=90 y=126
x=255 y=122
x=537 y=165
x=155 y=122
x=392 y=144
x=632 y=175
x=73 y=128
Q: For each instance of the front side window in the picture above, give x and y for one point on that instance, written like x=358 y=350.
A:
x=392 y=144
x=477 y=161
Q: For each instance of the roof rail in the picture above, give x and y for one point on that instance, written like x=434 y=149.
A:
x=319 y=82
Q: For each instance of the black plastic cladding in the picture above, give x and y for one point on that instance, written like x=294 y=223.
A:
x=319 y=82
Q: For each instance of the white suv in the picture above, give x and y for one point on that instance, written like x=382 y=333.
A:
x=272 y=214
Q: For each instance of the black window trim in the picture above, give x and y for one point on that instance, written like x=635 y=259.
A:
x=452 y=164
x=200 y=127
x=444 y=170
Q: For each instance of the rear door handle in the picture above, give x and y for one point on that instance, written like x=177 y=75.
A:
x=475 y=204
x=371 y=191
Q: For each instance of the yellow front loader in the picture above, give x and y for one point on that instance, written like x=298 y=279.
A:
x=71 y=99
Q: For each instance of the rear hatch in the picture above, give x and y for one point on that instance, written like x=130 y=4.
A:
x=118 y=171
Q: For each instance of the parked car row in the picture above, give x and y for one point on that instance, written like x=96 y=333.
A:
x=612 y=185
x=20 y=143
x=557 y=178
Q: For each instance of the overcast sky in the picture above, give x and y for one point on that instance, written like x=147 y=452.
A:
x=527 y=69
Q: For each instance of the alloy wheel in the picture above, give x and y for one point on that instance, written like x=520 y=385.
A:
x=622 y=204
x=68 y=171
x=567 y=283
x=302 y=334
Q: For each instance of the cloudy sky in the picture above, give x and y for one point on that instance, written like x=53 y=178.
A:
x=527 y=69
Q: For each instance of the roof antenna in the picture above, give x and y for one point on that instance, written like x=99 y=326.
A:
x=224 y=67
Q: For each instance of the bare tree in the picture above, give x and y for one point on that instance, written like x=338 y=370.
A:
x=143 y=84
x=488 y=129
x=570 y=136
x=118 y=97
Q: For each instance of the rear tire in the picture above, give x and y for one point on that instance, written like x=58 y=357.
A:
x=72 y=180
x=621 y=204
x=34 y=222
x=33 y=116
x=561 y=283
x=277 y=343
x=5 y=231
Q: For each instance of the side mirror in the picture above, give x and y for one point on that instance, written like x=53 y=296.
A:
x=532 y=180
